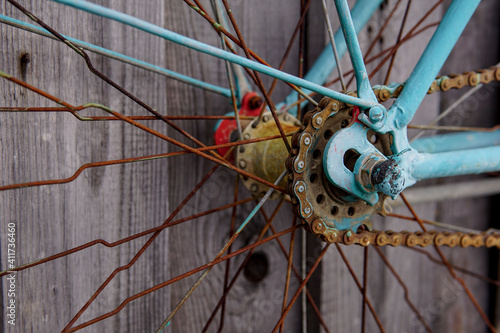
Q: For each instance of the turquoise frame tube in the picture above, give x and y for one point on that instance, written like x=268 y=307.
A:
x=435 y=54
x=121 y=57
x=213 y=51
x=361 y=13
x=346 y=22
x=455 y=163
x=456 y=141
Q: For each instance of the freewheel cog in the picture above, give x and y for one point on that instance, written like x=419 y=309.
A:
x=324 y=207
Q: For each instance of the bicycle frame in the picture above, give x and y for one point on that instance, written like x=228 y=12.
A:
x=407 y=165
x=416 y=165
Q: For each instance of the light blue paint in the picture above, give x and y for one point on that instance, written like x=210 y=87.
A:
x=241 y=82
x=118 y=56
x=429 y=64
x=363 y=83
x=456 y=163
x=353 y=137
x=325 y=64
x=411 y=166
x=456 y=141
x=211 y=50
x=259 y=205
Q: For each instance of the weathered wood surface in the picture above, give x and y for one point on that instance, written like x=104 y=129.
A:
x=117 y=201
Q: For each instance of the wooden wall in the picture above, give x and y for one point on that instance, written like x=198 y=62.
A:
x=117 y=201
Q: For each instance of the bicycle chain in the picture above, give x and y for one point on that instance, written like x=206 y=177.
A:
x=419 y=238
x=444 y=83
x=406 y=238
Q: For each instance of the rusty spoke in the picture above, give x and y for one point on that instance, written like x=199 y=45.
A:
x=130 y=160
x=220 y=254
x=299 y=289
x=365 y=286
x=269 y=102
x=103 y=118
x=457 y=268
x=123 y=240
x=471 y=297
x=288 y=271
x=242 y=266
x=222 y=161
x=141 y=251
x=298 y=28
x=405 y=289
x=309 y=297
x=229 y=250
x=360 y=287
x=199 y=9
x=408 y=36
x=398 y=39
x=80 y=51
x=178 y=278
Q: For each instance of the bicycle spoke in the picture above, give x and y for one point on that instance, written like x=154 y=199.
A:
x=298 y=28
x=178 y=278
x=230 y=73
x=398 y=39
x=405 y=288
x=332 y=41
x=269 y=102
x=120 y=57
x=437 y=224
x=223 y=298
x=451 y=108
x=141 y=251
x=298 y=276
x=407 y=36
x=365 y=286
x=367 y=61
x=222 y=162
x=237 y=42
x=106 y=79
x=267 y=226
x=123 y=240
x=102 y=118
x=299 y=290
x=452 y=272
x=228 y=262
x=455 y=267
x=360 y=287
x=455 y=128
x=79 y=171
x=221 y=252
x=376 y=39
x=288 y=271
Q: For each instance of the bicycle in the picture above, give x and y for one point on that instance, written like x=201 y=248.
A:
x=97 y=180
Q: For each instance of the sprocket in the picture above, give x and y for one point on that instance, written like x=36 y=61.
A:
x=324 y=207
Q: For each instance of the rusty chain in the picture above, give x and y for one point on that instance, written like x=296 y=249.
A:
x=445 y=83
x=419 y=238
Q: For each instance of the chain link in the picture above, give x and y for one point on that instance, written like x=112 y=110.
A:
x=423 y=239
x=444 y=83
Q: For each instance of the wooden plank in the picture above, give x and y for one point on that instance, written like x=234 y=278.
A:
x=108 y=203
